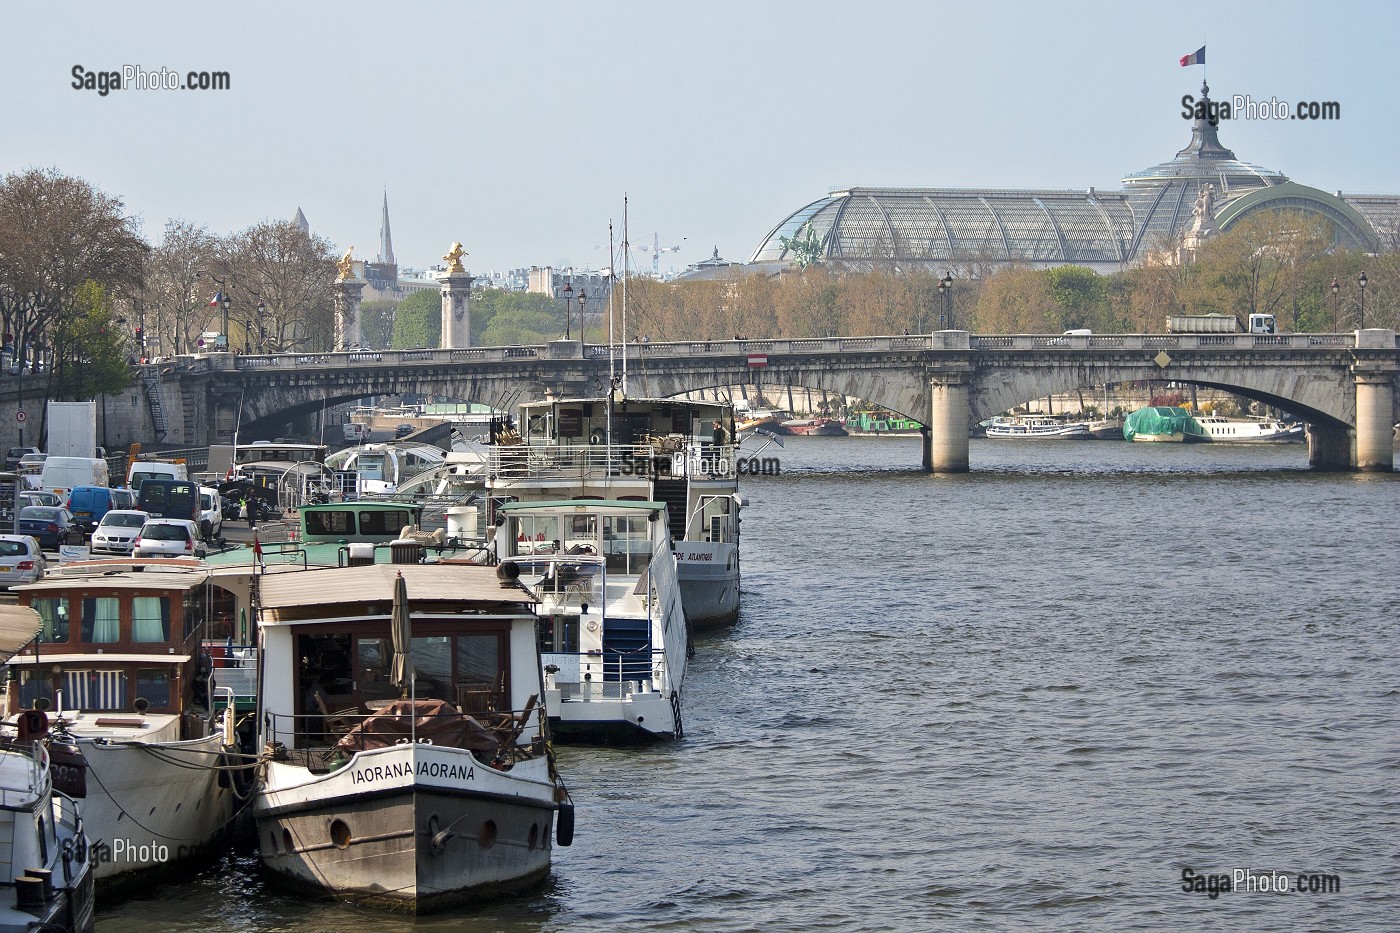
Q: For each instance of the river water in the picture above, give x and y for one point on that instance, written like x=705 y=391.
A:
x=1027 y=697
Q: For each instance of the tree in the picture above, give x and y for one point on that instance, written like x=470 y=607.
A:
x=377 y=323
x=173 y=307
x=90 y=351
x=418 y=321
x=1018 y=301
x=59 y=234
x=291 y=274
x=1080 y=297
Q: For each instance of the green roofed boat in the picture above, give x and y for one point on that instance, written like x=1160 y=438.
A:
x=1163 y=423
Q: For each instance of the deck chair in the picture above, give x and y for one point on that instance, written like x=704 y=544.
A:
x=338 y=722
x=509 y=725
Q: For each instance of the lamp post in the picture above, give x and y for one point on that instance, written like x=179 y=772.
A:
x=568 y=295
x=1362 y=282
x=1336 y=287
x=945 y=288
x=262 y=334
x=223 y=300
x=582 y=297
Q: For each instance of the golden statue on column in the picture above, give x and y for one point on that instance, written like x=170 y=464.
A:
x=454 y=258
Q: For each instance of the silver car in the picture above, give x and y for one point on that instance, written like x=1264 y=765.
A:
x=21 y=560
x=116 y=533
x=169 y=537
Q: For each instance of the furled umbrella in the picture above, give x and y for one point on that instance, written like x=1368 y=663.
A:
x=401 y=625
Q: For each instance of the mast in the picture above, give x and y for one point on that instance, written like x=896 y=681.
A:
x=625 y=247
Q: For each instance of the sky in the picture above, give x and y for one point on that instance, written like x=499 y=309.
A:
x=517 y=128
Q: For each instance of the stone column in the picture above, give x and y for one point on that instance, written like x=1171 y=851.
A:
x=348 y=293
x=949 y=414
x=456 y=310
x=1329 y=447
x=1375 y=406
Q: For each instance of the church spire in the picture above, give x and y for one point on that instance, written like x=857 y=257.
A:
x=301 y=223
x=386 y=240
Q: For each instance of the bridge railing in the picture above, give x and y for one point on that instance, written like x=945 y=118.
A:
x=641 y=351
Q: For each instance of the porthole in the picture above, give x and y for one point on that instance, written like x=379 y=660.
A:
x=534 y=837
x=340 y=834
x=487 y=838
x=287 y=845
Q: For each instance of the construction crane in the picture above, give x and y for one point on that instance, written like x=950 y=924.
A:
x=656 y=249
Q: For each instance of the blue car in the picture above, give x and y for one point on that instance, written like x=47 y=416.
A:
x=49 y=524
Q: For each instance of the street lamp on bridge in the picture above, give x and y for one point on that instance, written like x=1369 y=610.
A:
x=945 y=288
x=1362 y=282
x=582 y=297
x=1336 y=288
x=568 y=295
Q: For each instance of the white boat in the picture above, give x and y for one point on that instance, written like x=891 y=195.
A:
x=613 y=634
x=659 y=450
x=45 y=857
x=406 y=760
x=379 y=469
x=1248 y=430
x=1036 y=426
x=119 y=661
x=44 y=853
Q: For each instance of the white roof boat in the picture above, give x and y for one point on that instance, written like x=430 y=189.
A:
x=1037 y=426
x=407 y=762
x=44 y=852
x=647 y=449
x=612 y=628
x=1248 y=430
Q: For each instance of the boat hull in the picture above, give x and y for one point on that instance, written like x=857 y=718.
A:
x=708 y=575
x=1175 y=437
x=610 y=714
x=150 y=806
x=410 y=828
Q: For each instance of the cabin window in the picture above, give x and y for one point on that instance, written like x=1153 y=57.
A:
x=373 y=670
x=331 y=522
x=54 y=611
x=154 y=686
x=95 y=690
x=536 y=534
x=150 y=619
x=32 y=686
x=626 y=543
x=478 y=671
x=388 y=522
x=432 y=665
x=101 y=623
x=558 y=634
x=222 y=607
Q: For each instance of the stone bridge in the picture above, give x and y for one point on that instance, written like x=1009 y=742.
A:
x=1343 y=385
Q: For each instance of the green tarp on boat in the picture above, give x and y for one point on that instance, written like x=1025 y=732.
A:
x=1164 y=419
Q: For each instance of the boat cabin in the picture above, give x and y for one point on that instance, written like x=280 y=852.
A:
x=115 y=641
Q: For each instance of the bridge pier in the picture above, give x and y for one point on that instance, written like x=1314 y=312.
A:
x=1375 y=406
x=950 y=412
x=1329 y=447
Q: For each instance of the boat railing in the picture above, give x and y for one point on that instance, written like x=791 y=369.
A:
x=234 y=668
x=582 y=677
x=667 y=457
x=318 y=741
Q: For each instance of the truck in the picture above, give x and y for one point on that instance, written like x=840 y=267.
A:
x=1220 y=324
x=72 y=429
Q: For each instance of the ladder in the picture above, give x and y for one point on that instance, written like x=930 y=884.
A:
x=152 y=382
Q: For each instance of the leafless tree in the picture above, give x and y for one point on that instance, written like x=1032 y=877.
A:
x=175 y=303
x=59 y=234
x=290 y=274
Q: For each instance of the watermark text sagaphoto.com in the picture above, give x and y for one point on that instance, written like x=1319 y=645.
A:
x=134 y=77
x=1250 y=881
x=1244 y=107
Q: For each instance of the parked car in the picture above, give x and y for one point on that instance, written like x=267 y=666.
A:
x=169 y=537
x=13 y=455
x=50 y=524
x=403 y=430
x=21 y=560
x=116 y=533
x=39 y=497
x=211 y=513
x=89 y=503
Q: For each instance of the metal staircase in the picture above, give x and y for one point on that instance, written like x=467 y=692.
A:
x=152 y=383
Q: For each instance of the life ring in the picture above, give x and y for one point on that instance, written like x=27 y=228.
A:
x=596 y=437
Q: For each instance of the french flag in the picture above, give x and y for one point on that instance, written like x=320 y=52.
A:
x=1197 y=57
x=219 y=296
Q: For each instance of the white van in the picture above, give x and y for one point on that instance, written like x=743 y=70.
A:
x=61 y=474
x=142 y=470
